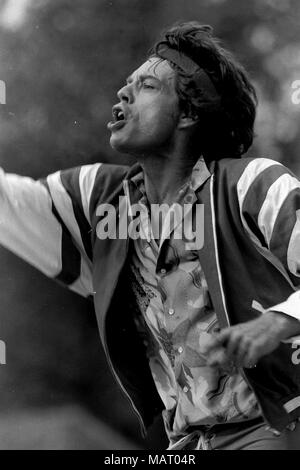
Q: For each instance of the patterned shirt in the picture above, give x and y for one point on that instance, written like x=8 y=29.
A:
x=176 y=318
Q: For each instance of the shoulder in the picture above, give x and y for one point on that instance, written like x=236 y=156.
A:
x=258 y=182
x=246 y=167
x=102 y=172
x=102 y=180
x=87 y=176
x=89 y=181
x=247 y=173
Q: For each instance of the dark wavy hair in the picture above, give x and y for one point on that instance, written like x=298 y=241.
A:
x=225 y=129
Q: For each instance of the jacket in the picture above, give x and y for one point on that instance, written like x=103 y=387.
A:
x=250 y=258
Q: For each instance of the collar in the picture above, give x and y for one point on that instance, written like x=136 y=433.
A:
x=199 y=175
x=135 y=193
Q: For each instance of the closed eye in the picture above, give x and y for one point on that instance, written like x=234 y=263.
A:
x=147 y=85
x=146 y=82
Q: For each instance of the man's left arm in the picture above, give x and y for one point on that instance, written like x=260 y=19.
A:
x=274 y=193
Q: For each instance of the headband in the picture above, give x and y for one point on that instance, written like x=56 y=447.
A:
x=186 y=64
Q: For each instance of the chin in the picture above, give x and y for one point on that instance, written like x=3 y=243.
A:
x=121 y=146
x=131 y=146
x=116 y=143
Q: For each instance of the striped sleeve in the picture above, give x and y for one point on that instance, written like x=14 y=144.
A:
x=46 y=222
x=269 y=201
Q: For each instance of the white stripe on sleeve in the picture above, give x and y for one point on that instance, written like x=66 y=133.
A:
x=275 y=197
x=251 y=172
x=64 y=206
x=27 y=225
x=84 y=284
x=293 y=252
x=87 y=177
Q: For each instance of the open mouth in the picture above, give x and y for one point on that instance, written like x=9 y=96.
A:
x=118 y=119
x=118 y=115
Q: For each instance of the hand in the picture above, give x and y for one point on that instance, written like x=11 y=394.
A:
x=244 y=344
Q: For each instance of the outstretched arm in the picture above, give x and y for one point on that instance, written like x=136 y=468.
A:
x=46 y=222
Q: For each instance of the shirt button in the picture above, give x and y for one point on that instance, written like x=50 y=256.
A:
x=163 y=271
x=180 y=349
x=171 y=311
x=185 y=389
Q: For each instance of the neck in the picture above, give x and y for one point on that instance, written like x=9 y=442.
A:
x=165 y=175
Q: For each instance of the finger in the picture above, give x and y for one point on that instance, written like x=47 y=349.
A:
x=217 y=340
x=241 y=353
x=217 y=358
x=233 y=343
x=221 y=361
x=224 y=334
x=250 y=359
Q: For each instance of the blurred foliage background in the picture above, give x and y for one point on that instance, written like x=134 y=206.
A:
x=62 y=62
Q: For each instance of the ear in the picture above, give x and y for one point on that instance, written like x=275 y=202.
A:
x=187 y=120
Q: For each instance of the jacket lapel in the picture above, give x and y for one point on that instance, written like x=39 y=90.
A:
x=208 y=255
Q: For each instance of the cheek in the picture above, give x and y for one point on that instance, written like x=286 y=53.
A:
x=158 y=121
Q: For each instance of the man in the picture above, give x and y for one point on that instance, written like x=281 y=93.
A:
x=202 y=332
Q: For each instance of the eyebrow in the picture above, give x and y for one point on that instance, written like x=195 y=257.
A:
x=142 y=78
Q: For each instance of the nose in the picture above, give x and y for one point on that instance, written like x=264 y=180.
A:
x=125 y=94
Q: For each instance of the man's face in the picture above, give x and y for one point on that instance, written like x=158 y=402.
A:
x=146 y=118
